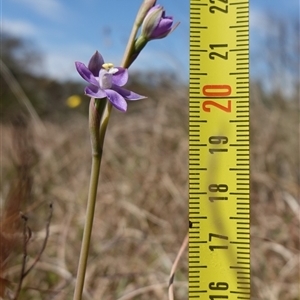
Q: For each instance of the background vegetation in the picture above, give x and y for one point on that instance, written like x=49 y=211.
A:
x=141 y=214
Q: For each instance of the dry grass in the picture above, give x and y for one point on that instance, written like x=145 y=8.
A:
x=275 y=205
x=141 y=214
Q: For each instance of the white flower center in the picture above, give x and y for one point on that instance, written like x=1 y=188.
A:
x=106 y=74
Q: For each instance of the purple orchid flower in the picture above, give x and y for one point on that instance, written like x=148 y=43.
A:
x=156 y=24
x=105 y=81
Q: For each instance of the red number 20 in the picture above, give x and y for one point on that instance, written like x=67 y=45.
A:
x=208 y=103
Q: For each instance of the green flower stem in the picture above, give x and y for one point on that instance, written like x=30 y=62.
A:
x=130 y=46
x=104 y=122
x=96 y=161
x=99 y=114
x=139 y=45
x=130 y=49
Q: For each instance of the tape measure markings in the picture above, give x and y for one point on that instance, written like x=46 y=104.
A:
x=219 y=140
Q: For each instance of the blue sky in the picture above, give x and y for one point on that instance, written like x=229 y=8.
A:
x=65 y=31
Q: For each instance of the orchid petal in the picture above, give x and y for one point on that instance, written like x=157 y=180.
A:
x=120 y=78
x=116 y=100
x=128 y=95
x=94 y=91
x=155 y=9
x=86 y=74
x=152 y=20
x=96 y=63
x=163 y=28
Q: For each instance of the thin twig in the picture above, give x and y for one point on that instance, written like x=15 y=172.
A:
x=172 y=274
x=25 y=242
x=20 y=94
x=147 y=289
x=44 y=243
x=143 y=290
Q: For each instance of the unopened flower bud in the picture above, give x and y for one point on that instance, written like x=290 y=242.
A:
x=156 y=24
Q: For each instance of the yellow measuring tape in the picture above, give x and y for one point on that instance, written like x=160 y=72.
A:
x=219 y=202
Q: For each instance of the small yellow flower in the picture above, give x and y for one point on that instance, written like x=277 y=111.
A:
x=74 y=101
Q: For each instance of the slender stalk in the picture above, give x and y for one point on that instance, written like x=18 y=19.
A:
x=20 y=95
x=96 y=161
x=129 y=47
x=96 y=116
x=104 y=122
x=172 y=274
x=128 y=54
